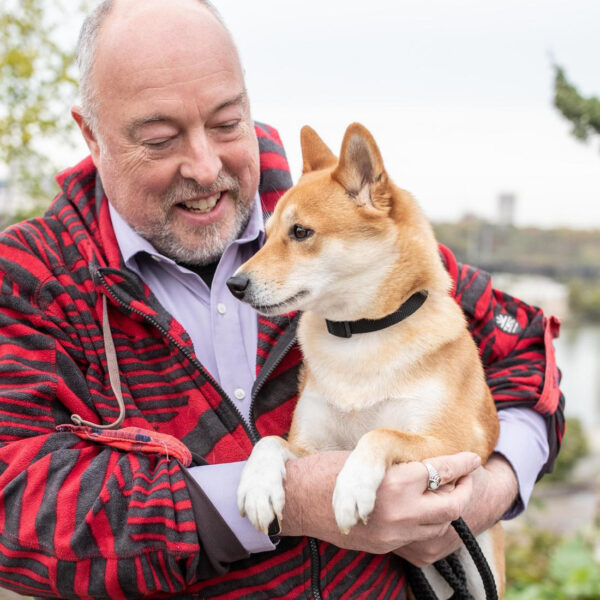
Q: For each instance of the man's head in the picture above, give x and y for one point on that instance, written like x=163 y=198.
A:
x=167 y=120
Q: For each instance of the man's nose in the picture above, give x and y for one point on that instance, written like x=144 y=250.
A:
x=202 y=162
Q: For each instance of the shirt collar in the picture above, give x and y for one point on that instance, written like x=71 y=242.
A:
x=132 y=243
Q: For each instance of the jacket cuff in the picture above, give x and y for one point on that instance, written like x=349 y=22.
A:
x=219 y=483
x=524 y=443
x=219 y=545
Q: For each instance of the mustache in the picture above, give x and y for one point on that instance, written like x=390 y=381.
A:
x=188 y=189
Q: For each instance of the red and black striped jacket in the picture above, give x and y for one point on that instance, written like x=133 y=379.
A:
x=90 y=515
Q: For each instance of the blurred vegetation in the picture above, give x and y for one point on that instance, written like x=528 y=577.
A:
x=574 y=447
x=37 y=87
x=543 y=566
x=583 y=113
x=569 y=256
x=21 y=214
x=559 y=253
x=584 y=299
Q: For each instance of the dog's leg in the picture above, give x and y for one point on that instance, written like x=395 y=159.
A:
x=260 y=494
x=359 y=479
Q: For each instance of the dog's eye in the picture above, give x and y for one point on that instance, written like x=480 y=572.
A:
x=298 y=232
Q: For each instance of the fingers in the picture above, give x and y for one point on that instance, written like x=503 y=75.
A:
x=451 y=467
x=443 y=508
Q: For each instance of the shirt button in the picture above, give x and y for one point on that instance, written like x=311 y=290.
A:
x=221 y=308
x=240 y=394
x=156 y=258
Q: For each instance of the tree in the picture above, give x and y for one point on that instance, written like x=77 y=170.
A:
x=584 y=113
x=37 y=85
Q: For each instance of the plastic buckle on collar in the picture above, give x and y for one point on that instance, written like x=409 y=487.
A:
x=339 y=328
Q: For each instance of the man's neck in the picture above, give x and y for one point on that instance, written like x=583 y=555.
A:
x=206 y=272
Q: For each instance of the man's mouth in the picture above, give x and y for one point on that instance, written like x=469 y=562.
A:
x=201 y=206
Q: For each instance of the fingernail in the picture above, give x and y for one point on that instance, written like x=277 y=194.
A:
x=476 y=461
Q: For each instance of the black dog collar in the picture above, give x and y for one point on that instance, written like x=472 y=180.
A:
x=346 y=329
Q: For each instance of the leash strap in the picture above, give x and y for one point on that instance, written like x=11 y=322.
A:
x=468 y=539
x=451 y=570
x=345 y=329
x=113 y=374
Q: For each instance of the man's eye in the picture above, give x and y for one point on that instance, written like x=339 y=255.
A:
x=229 y=126
x=298 y=232
x=156 y=144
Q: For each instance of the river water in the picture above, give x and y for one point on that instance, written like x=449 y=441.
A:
x=578 y=357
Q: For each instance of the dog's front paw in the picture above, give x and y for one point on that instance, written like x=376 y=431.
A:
x=355 y=491
x=260 y=494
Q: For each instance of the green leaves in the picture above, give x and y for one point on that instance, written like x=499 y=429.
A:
x=37 y=87
x=584 y=113
x=567 y=570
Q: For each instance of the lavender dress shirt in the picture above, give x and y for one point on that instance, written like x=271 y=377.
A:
x=217 y=323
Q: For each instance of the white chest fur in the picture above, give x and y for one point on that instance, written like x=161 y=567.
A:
x=322 y=423
x=370 y=380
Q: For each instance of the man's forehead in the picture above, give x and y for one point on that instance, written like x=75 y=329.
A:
x=160 y=35
x=155 y=72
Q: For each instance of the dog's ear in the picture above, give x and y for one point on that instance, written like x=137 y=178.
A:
x=361 y=171
x=315 y=153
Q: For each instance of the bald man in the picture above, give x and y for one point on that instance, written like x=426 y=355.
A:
x=134 y=386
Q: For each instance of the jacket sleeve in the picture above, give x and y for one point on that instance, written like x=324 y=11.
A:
x=78 y=518
x=515 y=345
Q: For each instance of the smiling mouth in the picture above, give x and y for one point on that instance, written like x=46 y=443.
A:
x=201 y=206
x=274 y=308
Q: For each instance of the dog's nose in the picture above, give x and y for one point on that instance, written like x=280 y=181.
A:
x=237 y=285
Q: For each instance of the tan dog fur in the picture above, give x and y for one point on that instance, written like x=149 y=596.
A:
x=406 y=393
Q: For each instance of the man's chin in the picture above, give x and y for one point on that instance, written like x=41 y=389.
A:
x=196 y=249
x=199 y=245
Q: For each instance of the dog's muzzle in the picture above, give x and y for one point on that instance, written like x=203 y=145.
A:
x=238 y=284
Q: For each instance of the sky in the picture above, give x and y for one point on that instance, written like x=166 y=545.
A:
x=457 y=94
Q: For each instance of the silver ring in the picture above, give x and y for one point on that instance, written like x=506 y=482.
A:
x=434 y=477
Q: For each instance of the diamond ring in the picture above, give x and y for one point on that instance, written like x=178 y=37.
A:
x=434 y=477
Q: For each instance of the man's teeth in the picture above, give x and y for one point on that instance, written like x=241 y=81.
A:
x=203 y=205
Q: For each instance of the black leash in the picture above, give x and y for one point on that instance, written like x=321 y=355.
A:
x=451 y=570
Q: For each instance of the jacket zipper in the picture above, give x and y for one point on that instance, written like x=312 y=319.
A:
x=315 y=568
x=251 y=431
x=250 y=428
x=264 y=375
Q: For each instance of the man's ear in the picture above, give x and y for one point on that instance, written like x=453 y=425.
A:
x=315 y=153
x=88 y=135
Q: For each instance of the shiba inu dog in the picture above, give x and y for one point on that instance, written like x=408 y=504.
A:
x=351 y=250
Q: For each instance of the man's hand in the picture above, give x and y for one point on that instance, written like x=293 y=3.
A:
x=405 y=512
x=494 y=490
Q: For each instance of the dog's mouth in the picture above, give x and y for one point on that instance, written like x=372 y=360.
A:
x=278 y=308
